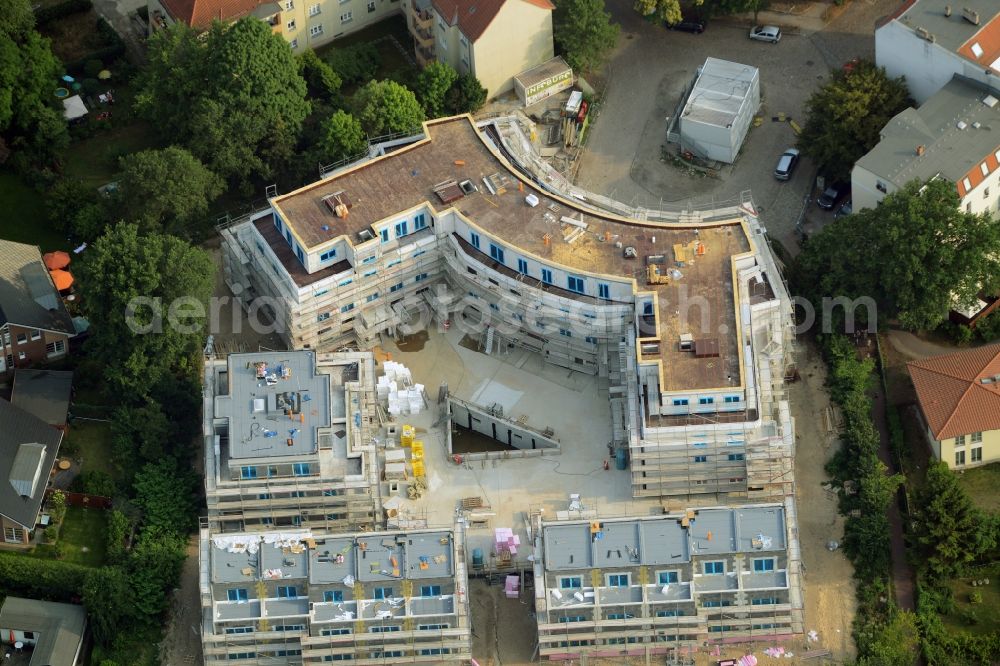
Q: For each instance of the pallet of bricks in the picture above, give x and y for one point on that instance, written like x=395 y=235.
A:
x=416 y=446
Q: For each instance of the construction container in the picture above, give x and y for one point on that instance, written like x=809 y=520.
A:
x=621 y=459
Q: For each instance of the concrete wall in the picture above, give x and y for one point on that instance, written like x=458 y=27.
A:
x=530 y=442
x=519 y=38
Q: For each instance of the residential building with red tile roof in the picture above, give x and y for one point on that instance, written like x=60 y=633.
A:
x=959 y=398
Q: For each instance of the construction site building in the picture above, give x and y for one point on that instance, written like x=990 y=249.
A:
x=289 y=442
x=666 y=584
x=309 y=597
x=689 y=320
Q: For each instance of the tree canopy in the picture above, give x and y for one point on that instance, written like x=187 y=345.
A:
x=913 y=254
x=668 y=11
x=584 y=33
x=341 y=136
x=166 y=190
x=847 y=114
x=236 y=99
x=386 y=107
x=320 y=78
x=433 y=84
x=159 y=270
x=466 y=95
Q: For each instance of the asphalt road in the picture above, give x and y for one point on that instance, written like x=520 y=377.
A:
x=646 y=76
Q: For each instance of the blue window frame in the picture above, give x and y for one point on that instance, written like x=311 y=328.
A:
x=290 y=627
x=647 y=307
x=706 y=401
x=328 y=255
x=300 y=469
x=337 y=657
x=383 y=592
x=603 y=290
x=288 y=236
x=371 y=297
x=337 y=631
x=248 y=472
x=370 y=273
x=571 y=582
x=522 y=266
x=264 y=496
x=431 y=627
x=764 y=601
x=321 y=292
x=394 y=263
x=420 y=278
x=277 y=222
x=287 y=592
x=430 y=590
x=546 y=276
x=680 y=402
x=330 y=492
x=368 y=260
x=719 y=629
x=592 y=340
x=385 y=629
x=401 y=229
x=267 y=521
x=565 y=332
x=714 y=568
x=234 y=656
x=396 y=287
x=496 y=252
x=333 y=595
x=618 y=580
x=298 y=253
x=419 y=221
x=732 y=398
x=239 y=630
x=735 y=456
x=669 y=613
x=323 y=316
x=667 y=577
x=620 y=616
x=346 y=282
x=385 y=235
x=474 y=239
x=238 y=594
x=576 y=284
x=387 y=654
x=701 y=458
x=297 y=493
x=716 y=603
x=573 y=618
x=347 y=308
x=763 y=564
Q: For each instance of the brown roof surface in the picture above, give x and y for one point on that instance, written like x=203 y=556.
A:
x=201 y=13
x=455 y=150
x=474 y=16
x=952 y=392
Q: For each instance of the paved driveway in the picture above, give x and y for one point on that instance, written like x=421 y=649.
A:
x=646 y=76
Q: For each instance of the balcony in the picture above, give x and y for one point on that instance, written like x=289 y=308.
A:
x=424 y=37
x=424 y=55
x=421 y=17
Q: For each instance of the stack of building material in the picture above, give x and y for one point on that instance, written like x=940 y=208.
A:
x=396 y=390
x=512 y=587
x=506 y=541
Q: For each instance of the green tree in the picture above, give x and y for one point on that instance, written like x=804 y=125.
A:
x=951 y=531
x=140 y=434
x=320 y=78
x=119 y=528
x=466 y=95
x=77 y=209
x=846 y=116
x=584 y=33
x=433 y=84
x=895 y=643
x=911 y=255
x=235 y=99
x=166 y=190
x=355 y=64
x=154 y=568
x=16 y=19
x=386 y=107
x=128 y=285
x=108 y=597
x=165 y=495
x=723 y=7
x=341 y=136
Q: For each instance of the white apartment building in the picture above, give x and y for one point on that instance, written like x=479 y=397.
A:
x=948 y=137
x=930 y=41
x=690 y=322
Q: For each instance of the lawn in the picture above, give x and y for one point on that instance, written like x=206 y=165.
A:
x=987 y=619
x=94 y=160
x=83 y=536
x=90 y=442
x=981 y=483
x=26 y=221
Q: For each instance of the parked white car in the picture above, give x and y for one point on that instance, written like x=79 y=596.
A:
x=766 y=33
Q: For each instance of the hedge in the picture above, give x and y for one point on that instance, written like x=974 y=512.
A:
x=37 y=578
x=45 y=15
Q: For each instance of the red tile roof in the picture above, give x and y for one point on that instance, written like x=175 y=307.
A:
x=201 y=13
x=959 y=393
x=474 y=16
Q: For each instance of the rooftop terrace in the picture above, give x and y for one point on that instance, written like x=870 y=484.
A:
x=275 y=405
x=454 y=149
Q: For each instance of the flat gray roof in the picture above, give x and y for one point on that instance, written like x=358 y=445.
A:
x=323 y=564
x=949 y=152
x=278 y=414
x=228 y=567
x=663 y=540
x=719 y=92
x=952 y=32
x=291 y=565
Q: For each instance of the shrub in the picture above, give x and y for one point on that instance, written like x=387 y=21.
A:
x=975 y=597
x=51 y=534
x=98 y=483
x=355 y=64
x=93 y=67
x=91 y=86
x=40 y=579
x=48 y=14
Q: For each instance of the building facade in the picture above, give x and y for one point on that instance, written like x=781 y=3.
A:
x=288 y=442
x=930 y=41
x=947 y=137
x=303 y=597
x=696 y=371
x=959 y=399
x=615 y=588
x=34 y=325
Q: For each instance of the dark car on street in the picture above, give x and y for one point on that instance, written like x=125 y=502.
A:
x=832 y=195
x=696 y=25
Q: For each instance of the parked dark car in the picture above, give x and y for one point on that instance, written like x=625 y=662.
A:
x=786 y=164
x=832 y=195
x=845 y=209
x=694 y=24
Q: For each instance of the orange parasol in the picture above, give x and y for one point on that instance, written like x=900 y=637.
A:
x=62 y=279
x=56 y=260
